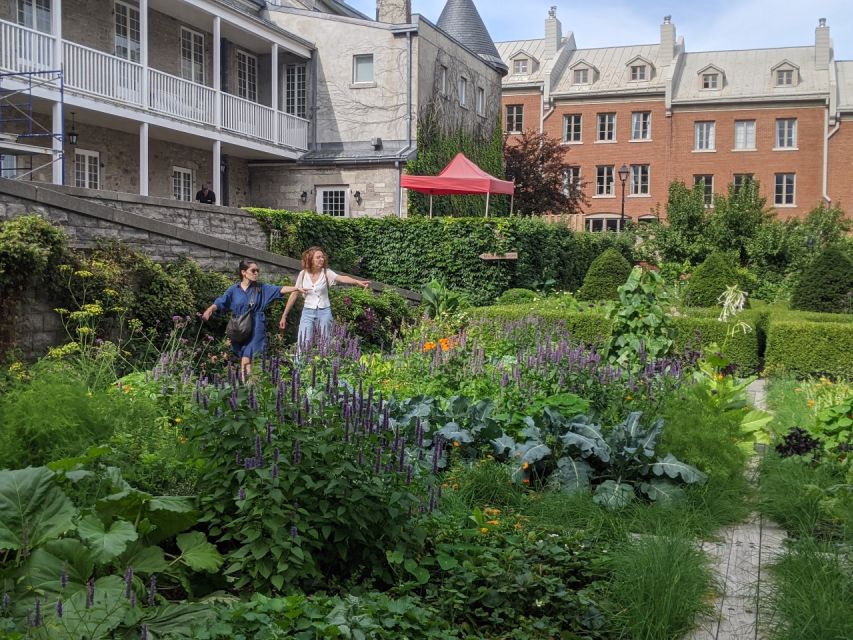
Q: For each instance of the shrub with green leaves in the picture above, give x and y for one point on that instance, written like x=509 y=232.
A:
x=803 y=348
x=606 y=274
x=826 y=284
x=516 y=296
x=710 y=280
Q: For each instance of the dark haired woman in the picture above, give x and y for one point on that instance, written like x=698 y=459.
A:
x=314 y=281
x=237 y=299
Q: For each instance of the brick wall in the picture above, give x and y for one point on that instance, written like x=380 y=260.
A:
x=840 y=185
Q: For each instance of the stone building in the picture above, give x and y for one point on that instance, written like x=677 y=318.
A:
x=781 y=116
x=303 y=104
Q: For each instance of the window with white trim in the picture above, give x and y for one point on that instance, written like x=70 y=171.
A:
x=641 y=125
x=34 y=14
x=786 y=133
x=333 y=201
x=581 y=76
x=572 y=127
x=443 y=80
x=606 y=130
x=744 y=134
x=704 y=136
x=362 y=68
x=638 y=72
x=515 y=118
x=87 y=169
x=8 y=166
x=571 y=179
x=707 y=182
x=247 y=76
x=607 y=223
x=462 y=87
x=784 y=77
x=192 y=55
x=639 y=179
x=520 y=66
x=481 y=101
x=786 y=184
x=604 y=180
x=742 y=179
x=182 y=184
x=127 y=42
x=295 y=90
x=710 y=80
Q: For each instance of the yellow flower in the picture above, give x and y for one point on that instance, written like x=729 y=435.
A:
x=810 y=403
x=179 y=420
x=720 y=377
x=429 y=346
x=456 y=443
x=494 y=523
x=490 y=511
x=484 y=531
x=455 y=486
x=629 y=398
x=525 y=466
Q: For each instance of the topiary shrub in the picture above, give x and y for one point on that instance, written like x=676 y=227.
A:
x=516 y=296
x=606 y=274
x=710 y=280
x=826 y=284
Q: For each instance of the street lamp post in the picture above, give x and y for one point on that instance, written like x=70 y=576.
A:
x=623 y=176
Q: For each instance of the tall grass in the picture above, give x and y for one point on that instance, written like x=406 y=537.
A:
x=811 y=593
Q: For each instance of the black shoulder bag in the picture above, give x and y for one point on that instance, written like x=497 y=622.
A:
x=240 y=328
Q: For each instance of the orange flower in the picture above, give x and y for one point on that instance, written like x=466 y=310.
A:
x=429 y=346
x=494 y=523
x=445 y=344
x=456 y=443
x=525 y=481
x=525 y=466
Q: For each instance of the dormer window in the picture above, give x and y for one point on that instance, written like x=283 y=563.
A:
x=785 y=74
x=638 y=72
x=639 y=69
x=710 y=80
x=784 y=77
x=521 y=66
x=581 y=76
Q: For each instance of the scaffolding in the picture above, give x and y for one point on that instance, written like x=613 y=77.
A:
x=20 y=131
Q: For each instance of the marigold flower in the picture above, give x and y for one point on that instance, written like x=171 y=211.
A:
x=491 y=511
x=493 y=522
x=484 y=531
x=429 y=346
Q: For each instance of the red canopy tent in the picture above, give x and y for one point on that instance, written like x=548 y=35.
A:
x=460 y=177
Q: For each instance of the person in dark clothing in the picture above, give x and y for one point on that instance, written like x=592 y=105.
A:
x=205 y=196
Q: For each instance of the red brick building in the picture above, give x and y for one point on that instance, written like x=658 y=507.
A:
x=781 y=116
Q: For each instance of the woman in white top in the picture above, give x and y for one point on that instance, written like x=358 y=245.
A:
x=315 y=280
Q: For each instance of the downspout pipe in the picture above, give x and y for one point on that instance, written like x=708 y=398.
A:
x=314 y=101
x=826 y=197
x=404 y=152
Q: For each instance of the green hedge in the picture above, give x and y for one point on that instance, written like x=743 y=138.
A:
x=407 y=252
x=586 y=327
x=810 y=348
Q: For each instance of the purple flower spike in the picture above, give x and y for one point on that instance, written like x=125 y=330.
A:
x=276 y=454
x=294 y=532
x=274 y=471
x=90 y=593
x=152 y=592
x=269 y=432
x=258 y=451
x=59 y=609
x=241 y=494
x=7 y=600
x=63 y=579
x=37 y=614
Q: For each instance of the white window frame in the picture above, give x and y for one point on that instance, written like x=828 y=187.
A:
x=443 y=80
x=192 y=67
x=710 y=81
x=708 y=187
x=363 y=58
x=605 y=127
x=573 y=128
x=638 y=72
x=580 y=76
x=462 y=89
x=704 y=134
x=182 y=184
x=247 y=76
x=785 y=190
x=133 y=46
x=571 y=179
x=517 y=117
x=784 y=77
x=8 y=166
x=603 y=223
x=481 y=101
x=744 y=135
x=341 y=192
x=35 y=14
x=91 y=160
x=641 y=125
x=786 y=134
x=295 y=89
x=639 y=180
x=521 y=66
x=604 y=181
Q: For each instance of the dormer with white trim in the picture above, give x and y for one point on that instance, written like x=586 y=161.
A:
x=639 y=69
x=784 y=75
x=522 y=63
x=583 y=73
x=711 y=78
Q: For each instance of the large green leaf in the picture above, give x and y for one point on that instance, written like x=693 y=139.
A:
x=613 y=495
x=662 y=491
x=673 y=468
x=177 y=620
x=588 y=443
x=532 y=452
x=453 y=432
x=504 y=445
x=105 y=543
x=45 y=566
x=198 y=553
x=146 y=559
x=33 y=509
x=107 y=612
x=649 y=441
x=572 y=475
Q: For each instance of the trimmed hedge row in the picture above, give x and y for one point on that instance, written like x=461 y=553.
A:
x=587 y=327
x=408 y=252
x=810 y=348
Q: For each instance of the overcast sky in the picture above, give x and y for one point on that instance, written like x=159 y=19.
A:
x=710 y=25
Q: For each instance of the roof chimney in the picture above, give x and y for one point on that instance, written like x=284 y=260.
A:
x=667 y=40
x=553 y=33
x=822 y=46
x=394 y=11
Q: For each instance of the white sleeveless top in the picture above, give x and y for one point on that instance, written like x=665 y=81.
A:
x=318 y=294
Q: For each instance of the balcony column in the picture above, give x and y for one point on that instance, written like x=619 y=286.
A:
x=217 y=77
x=58 y=115
x=143 y=55
x=217 y=170
x=274 y=91
x=56 y=31
x=143 y=158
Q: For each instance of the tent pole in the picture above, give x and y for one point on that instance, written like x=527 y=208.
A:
x=487 y=204
x=511 y=201
x=430 y=205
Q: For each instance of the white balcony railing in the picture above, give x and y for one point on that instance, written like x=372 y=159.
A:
x=23 y=49
x=101 y=74
x=247 y=117
x=180 y=98
x=292 y=131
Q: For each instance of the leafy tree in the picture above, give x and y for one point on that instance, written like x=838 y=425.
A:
x=826 y=284
x=737 y=218
x=682 y=236
x=538 y=165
